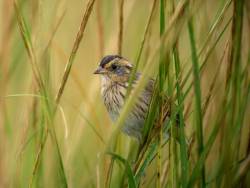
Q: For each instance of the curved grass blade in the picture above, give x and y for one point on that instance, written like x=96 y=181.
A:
x=146 y=162
x=128 y=169
x=46 y=106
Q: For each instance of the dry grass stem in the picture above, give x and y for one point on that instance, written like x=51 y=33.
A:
x=75 y=49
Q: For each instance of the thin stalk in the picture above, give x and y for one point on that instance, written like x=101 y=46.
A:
x=204 y=61
x=179 y=11
x=120 y=35
x=180 y=99
x=212 y=30
x=47 y=108
x=109 y=174
x=100 y=26
x=55 y=29
x=197 y=90
x=29 y=47
x=176 y=20
x=242 y=171
x=139 y=53
x=212 y=86
x=38 y=78
x=162 y=78
x=74 y=50
x=169 y=87
x=235 y=84
x=197 y=170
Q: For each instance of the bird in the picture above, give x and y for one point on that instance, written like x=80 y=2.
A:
x=115 y=72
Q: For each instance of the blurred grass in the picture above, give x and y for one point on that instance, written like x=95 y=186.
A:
x=198 y=51
x=197 y=90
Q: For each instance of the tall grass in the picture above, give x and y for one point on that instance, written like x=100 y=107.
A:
x=54 y=128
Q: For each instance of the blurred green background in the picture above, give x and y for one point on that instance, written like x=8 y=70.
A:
x=81 y=124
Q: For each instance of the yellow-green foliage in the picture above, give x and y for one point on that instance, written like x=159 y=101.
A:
x=54 y=128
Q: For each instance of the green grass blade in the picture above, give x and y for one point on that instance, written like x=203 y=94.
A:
x=162 y=77
x=128 y=169
x=198 y=105
x=183 y=148
x=139 y=53
x=146 y=162
x=201 y=161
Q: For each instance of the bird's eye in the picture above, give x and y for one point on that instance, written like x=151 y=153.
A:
x=114 y=67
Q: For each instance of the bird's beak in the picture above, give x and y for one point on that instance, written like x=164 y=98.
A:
x=100 y=70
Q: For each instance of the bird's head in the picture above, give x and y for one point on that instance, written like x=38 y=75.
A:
x=115 y=68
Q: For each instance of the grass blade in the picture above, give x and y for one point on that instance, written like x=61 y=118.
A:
x=197 y=90
x=120 y=35
x=75 y=49
x=128 y=169
x=183 y=148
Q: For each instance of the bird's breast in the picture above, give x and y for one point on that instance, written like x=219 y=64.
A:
x=113 y=97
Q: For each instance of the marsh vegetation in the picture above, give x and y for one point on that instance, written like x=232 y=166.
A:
x=54 y=128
